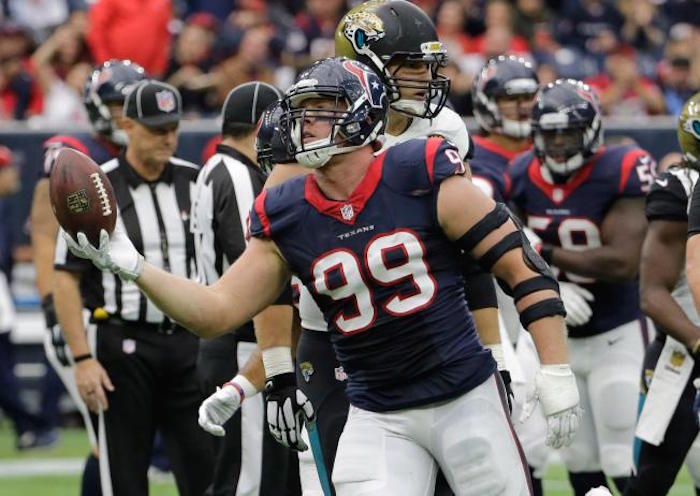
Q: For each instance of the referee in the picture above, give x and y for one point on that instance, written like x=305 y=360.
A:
x=248 y=461
x=138 y=370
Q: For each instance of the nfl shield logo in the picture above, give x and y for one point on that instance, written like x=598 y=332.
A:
x=165 y=100
x=347 y=212
x=557 y=195
x=128 y=346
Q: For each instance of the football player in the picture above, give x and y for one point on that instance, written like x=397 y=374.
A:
x=103 y=97
x=667 y=429
x=399 y=42
x=375 y=239
x=586 y=202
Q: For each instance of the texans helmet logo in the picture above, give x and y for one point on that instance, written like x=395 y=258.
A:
x=374 y=88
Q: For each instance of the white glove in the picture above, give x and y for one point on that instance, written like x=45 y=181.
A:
x=116 y=255
x=534 y=239
x=599 y=491
x=576 y=302
x=218 y=408
x=556 y=390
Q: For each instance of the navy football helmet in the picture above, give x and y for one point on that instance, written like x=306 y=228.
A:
x=502 y=77
x=357 y=118
x=383 y=33
x=268 y=142
x=110 y=83
x=566 y=126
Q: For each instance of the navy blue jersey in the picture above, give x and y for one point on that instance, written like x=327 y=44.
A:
x=385 y=276
x=571 y=215
x=95 y=147
x=489 y=165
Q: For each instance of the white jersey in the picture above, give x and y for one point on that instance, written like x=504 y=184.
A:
x=447 y=124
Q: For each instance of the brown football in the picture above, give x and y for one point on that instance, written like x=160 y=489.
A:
x=81 y=195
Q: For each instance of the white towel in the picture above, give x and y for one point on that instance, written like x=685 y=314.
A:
x=671 y=375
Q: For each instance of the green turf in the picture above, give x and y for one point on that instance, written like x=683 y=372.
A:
x=74 y=445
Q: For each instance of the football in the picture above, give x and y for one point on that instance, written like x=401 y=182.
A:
x=81 y=195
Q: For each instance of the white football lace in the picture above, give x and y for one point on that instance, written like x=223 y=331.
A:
x=102 y=194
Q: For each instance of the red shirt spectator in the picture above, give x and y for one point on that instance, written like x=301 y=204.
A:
x=131 y=29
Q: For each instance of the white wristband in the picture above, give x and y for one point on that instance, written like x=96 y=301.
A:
x=249 y=390
x=497 y=352
x=277 y=360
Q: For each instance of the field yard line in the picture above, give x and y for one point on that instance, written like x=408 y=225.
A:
x=24 y=468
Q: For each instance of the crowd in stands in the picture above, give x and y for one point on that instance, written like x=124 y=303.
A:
x=640 y=55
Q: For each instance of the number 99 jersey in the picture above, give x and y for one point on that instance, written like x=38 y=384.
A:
x=570 y=215
x=385 y=276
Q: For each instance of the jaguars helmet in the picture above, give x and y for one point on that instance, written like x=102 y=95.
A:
x=268 y=142
x=110 y=83
x=358 y=118
x=566 y=126
x=689 y=132
x=383 y=33
x=503 y=76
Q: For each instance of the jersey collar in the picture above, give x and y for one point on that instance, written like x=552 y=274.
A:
x=135 y=180
x=558 y=192
x=345 y=211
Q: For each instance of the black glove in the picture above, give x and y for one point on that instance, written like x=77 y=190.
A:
x=287 y=410
x=505 y=377
x=56 y=333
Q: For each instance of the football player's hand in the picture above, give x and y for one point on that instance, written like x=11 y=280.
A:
x=93 y=383
x=556 y=391
x=116 y=254
x=287 y=410
x=218 y=408
x=576 y=302
x=505 y=377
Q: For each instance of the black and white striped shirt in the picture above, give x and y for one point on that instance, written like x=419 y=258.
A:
x=226 y=187
x=155 y=215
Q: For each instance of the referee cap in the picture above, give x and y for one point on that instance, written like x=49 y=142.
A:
x=246 y=102
x=153 y=104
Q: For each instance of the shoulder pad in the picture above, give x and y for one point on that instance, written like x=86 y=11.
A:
x=416 y=166
x=276 y=208
x=451 y=126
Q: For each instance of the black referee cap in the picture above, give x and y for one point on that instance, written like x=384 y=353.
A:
x=153 y=104
x=246 y=102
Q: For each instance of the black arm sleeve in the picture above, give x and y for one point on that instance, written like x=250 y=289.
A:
x=479 y=288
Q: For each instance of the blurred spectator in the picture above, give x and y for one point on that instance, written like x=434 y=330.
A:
x=683 y=11
x=61 y=68
x=499 y=37
x=679 y=70
x=20 y=95
x=134 y=30
x=532 y=17
x=622 y=90
x=39 y=17
x=644 y=26
x=450 y=27
x=250 y=62
x=318 y=23
x=473 y=17
x=589 y=26
x=191 y=57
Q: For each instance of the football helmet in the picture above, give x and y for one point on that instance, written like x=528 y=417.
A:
x=268 y=142
x=357 y=117
x=383 y=33
x=566 y=126
x=503 y=76
x=689 y=132
x=110 y=83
